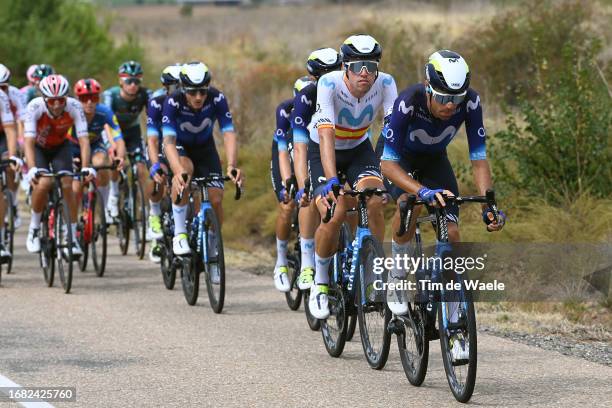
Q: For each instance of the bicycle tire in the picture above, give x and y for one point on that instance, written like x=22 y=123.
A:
x=64 y=262
x=190 y=278
x=47 y=247
x=294 y=296
x=216 y=259
x=82 y=232
x=139 y=217
x=462 y=391
x=9 y=229
x=313 y=323
x=413 y=346
x=99 y=238
x=124 y=223
x=351 y=328
x=375 y=354
x=167 y=266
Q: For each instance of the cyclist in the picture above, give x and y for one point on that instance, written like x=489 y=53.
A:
x=8 y=144
x=159 y=167
x=42 y=71
x=425 y=118
x=101 y=125
x=18 y=110
x=187 y=125
x=48 y=120
x=347 y=103
x=320 y=62
x=31 y=80
x=280 y=171
x=127 y=102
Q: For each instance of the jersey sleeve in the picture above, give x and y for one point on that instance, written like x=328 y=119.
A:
x=18 y=100
x=6 y=115
x=223 y=113
x=325 y=102
x=75 y=110
x=153 y=118
x=303 y=108
x=474 y=127
x=169 y=113
x=32 y=114
x=107 y=98
x=395 y=132
x=282 y=126
x=389 y=94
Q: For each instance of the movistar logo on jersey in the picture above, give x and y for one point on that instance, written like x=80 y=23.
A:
x=425 y=138
x=172 y=102
x=284 y=113
x=473 y=105
x=219 y=98
x=327 y=83
x=387 y=81
x=305 y=100
x=405 y=110
x=346 y=117
x=191 y=128
x=155 y=104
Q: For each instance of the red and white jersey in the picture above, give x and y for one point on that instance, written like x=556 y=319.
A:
x=18 y=104
x=6 y=115
x=49 y=131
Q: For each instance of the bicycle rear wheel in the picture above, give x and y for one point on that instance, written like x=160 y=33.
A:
x=9 y=228
x=351 y=328
x=124 y=224
x=63 y=237
x=461 y=375
x=83 y=231
x=214 y=268
x=190 y=278
x=413 y=345
x=139 y=217
x=167 y=264
x=373 y=314
x=47 y=246
x=294 y=296
x=313 y=322
x=99 y=235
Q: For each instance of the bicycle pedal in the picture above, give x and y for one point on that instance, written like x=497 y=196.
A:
x=432 y=334
x=457 y=326
x=395 y=327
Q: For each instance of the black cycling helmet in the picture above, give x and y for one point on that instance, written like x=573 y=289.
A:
x=447 y=72
x=322 y=61
x=360 y=47
x=130 y=69
x=43 y=71
x=195 y=75
x=170 y=75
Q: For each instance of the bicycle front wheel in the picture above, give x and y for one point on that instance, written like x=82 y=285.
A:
x=63 y=237
x=98 y=239
x=294 y=296
x=9 y=228
x=413 y=345
x=214 y=266
x=124 y=224
x=373 y=314
x=84 y=231
x=47 y=246
x=139 y=218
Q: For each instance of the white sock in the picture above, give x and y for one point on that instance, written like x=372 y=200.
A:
x=114 y=187
x=104 y=193
x=15 y=198
x=401 y=250
x=322 y=269
x=73 y=228
x=35 y=220
x=307 y=246
x=154 y=208
x=281 y=252
x=179 y=213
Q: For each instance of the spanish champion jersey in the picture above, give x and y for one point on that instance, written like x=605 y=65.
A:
x=96 y=127
x=351 y=117
x=283 y=124
x=191 y=127
x=304 y=106
x=127 y=112
x=414 y=129
x=51 y=132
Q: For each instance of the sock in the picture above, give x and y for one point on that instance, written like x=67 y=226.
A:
x=307 y=246
x=281 y=252
x=2 y=235
x=453 y=311
x=73 y=228
x=154 y=208
x=15 y=198
x=35 y=220
x=322 y=269
x=179 y=213
x=114 y=187
x=104 y=193
x=401 y=250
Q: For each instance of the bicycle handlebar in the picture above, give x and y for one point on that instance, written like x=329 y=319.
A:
x=199 y=181
x=366 y=192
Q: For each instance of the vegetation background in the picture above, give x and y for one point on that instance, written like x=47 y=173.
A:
x=542 y=69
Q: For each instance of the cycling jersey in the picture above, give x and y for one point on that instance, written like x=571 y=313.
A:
x=96 y=127
x=283 y=114
x=154 y=116
x=158 y=92
x=17 y=102
x=192 y=127
x=351 y=117
x=6 y=115
x=127 y=112
x=414 y=129
x=304 y=106
x=51 y=132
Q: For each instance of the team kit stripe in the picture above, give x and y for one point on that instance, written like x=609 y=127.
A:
x=348 y=133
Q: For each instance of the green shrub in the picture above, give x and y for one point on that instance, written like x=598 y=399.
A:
x=65 y=34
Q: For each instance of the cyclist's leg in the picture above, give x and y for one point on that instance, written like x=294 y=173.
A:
x=308 y=222
x=11 y=184
x=3 y=203
x=62 y=161
x=40 y=193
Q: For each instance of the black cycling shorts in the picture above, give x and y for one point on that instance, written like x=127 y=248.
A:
x=356 y=163
x=133 y=140
x=205 y=159
x=275 y=175
x=59 y=158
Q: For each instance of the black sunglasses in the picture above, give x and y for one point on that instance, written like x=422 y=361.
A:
x=132 y=81
x=195 y=91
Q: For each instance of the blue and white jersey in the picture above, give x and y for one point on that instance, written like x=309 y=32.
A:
x=304 y=106
x=283 y=124
x=413 y=128
x=154 y=115
x=191 y=127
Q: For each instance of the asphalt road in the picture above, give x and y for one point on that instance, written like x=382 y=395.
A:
x=124 y=340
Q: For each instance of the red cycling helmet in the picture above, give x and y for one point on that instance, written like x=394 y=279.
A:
x=87 y=86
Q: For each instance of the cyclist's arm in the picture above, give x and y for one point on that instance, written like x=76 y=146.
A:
x=300 y=166
x=230 y=143
x=153 y=117
x=32 y=115
x=280 y=136
x=303 y=108
x=325 y=126
x=477 y=137
x=230 y=140
x=11 y=138
x=85 y=151
x=169 y=134
x=327 y=146
x=75 y=110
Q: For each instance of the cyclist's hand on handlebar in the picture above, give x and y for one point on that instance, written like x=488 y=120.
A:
x=157 y=173
x=31 y=176
x=17 y=164
x=489 y=219
x=302 y=199
x=327 y=191
x=89 y=173
x=179 y=182
x=120 y=163
x=236 y=175
x=435 y=196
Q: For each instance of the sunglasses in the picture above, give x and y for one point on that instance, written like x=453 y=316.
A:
x=356 y=66
x=89 y=98
x=443 y=99
x=195 y=91
x=131 y=81
x=54 y=101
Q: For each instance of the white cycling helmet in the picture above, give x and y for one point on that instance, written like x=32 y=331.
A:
x=54 y=86
x=5 y=74
x=447 y=72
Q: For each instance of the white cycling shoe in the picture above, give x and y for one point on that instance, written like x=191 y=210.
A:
x=112 y=206
x=180 y=245
x=396 y=299
x=281 y=279
x=318 y=302
x=33 y=240
x=459 y=350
